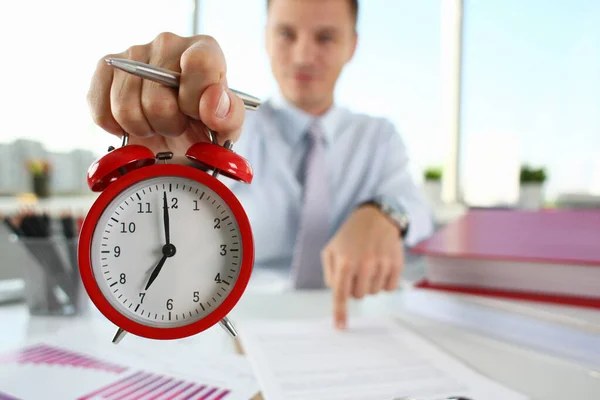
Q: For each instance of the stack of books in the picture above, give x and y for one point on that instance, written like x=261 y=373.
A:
x=548 y=255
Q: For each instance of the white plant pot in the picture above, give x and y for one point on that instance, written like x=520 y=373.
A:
x=433 y=192
x=531 y=196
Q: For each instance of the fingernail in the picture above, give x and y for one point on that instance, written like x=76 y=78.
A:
x=340 y=324
x=224 y=104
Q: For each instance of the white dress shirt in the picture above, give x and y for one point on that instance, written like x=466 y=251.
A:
x=366 y=158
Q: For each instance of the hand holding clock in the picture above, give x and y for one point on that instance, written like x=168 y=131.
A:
x=158 y=117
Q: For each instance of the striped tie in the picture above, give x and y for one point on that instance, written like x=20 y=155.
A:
x=313 y=233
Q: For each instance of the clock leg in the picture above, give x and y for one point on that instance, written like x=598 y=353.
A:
x=119 y=335
x=228 y=326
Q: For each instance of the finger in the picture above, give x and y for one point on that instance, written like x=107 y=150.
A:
x=341 y=292
x=223 y=112
x=363 y=279
x=159 y=102
x=98 y=98
x=354 y=286
x=327 y=260
x=202 y=64
x=378 y=280
x=126 y=97
x=393 y=279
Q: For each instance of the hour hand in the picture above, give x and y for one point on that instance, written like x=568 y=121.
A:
x=156 y=271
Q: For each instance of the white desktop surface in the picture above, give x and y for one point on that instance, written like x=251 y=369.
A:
x=535 y=374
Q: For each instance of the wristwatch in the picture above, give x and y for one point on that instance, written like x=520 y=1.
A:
x=393 y=210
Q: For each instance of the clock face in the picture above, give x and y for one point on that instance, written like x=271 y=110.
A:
x=162 y=282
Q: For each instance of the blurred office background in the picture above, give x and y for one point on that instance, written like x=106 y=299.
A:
x=497 y=100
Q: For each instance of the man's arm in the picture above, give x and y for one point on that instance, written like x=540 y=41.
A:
x=366 y=254
x=398 y=190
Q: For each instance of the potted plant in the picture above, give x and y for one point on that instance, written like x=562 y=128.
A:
x=531 y=187
x=39 y=171
x=433 y=184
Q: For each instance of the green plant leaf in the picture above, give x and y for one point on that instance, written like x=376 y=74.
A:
x=532 y=175
x=433 y=174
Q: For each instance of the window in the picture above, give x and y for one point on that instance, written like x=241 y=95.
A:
x=53 y=47
x=531 y=95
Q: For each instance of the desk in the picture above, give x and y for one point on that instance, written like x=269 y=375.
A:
x=538 y=375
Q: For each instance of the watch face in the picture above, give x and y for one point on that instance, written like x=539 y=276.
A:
x=398 y=217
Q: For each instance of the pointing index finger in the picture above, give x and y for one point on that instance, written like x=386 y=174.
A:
x=341 y=292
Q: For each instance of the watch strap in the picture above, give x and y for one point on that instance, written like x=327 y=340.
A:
x=393 y=210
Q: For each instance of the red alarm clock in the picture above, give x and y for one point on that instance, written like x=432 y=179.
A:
x=166 y=250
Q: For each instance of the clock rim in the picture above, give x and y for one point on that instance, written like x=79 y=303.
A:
x=85 y=247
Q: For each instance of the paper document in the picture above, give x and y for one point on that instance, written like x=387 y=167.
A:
x=374 y=359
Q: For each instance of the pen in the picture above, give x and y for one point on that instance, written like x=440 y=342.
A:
x=168 y=77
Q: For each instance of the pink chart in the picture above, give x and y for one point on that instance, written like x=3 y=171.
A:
x=128 y=384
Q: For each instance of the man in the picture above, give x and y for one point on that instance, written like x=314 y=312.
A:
x=332 y=197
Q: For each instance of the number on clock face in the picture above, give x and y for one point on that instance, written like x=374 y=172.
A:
x=160 y=284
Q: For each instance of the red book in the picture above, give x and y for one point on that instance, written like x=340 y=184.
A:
x=548 y=255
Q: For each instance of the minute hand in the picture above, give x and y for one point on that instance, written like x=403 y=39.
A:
x=166 y=218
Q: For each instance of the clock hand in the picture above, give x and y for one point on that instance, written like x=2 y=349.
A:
x=156 y=271
x=168 y=250
x=166 y=218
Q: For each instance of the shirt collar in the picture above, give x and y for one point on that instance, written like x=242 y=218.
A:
x=293 y=123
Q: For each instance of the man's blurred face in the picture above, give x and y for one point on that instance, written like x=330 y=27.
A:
x=308 y=43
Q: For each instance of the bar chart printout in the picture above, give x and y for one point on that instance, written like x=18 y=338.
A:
x=54 y=372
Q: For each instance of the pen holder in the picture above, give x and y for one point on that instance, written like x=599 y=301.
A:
x=52 y=282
